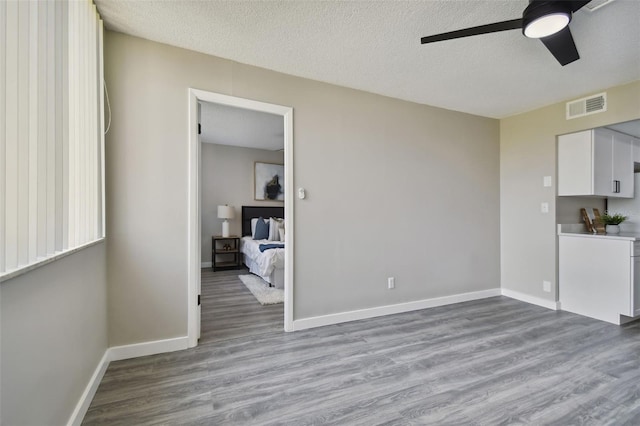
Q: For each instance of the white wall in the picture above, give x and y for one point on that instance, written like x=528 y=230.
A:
x=394 y=189
x=527 y=153
x=227 y=178
x=53 y=328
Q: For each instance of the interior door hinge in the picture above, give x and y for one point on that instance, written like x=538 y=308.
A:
x=199 y=128
x=198 y=300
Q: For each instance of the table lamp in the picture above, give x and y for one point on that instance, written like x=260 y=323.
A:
x=225 y=212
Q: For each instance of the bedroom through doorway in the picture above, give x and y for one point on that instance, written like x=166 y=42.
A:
x=242 y=246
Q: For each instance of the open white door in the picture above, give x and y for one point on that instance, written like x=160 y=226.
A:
x=199 y=276
x=194 y=222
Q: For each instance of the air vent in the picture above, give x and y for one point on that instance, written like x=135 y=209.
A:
x=594 y=5
x=587 y=106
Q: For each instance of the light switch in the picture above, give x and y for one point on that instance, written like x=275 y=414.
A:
x=544 y=207
x=546 y=181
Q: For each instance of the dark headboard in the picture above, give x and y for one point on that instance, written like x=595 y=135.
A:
x=250 y=212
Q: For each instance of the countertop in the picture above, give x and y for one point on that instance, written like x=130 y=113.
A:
x=629 y=236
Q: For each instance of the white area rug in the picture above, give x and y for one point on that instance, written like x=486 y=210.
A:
x=260 y=288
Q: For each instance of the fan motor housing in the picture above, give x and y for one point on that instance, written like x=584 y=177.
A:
x=539 y=9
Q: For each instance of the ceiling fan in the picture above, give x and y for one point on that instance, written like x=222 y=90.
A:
x=547 y=20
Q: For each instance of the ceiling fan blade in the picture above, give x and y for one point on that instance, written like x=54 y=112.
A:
x=561 y=45
x=482 y=29
x=577 y=4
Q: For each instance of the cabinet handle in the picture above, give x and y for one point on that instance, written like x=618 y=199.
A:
x=616 y=186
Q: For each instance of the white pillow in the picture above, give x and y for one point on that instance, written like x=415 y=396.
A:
x=274 y=225
x=254 y=221
x=281 y=232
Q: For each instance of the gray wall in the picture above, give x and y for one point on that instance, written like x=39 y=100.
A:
x=227 y=178
x=527 y=153
x=53 y=328
x=394 y=189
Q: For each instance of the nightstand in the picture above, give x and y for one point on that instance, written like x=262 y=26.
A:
x=225 y=253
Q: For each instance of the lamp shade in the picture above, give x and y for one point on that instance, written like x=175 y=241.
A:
x=225 y=212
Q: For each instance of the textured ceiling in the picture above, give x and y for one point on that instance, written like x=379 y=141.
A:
x=375 y=46
x=225 y=125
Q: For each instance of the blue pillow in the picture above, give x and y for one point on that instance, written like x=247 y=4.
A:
x=262 y=230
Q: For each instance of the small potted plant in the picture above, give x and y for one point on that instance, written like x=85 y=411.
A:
x=612 y=222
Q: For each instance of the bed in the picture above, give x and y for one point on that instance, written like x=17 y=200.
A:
x=267 y=264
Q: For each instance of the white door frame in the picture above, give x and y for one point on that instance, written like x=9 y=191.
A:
x=193 y=225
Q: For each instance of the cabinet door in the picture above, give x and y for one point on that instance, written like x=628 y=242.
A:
x=623 y=165
x=635 y=288
x=575 y=163
x=603 y=163
x=635 y=142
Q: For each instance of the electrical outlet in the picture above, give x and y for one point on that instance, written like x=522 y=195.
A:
x=546 y=181
x=544 y=207
x=546 y=286
x=391 y=283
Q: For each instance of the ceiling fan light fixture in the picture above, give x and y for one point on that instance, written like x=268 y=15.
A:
x=547 y=25
x=546 y=20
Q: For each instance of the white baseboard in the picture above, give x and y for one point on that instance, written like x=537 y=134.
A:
x=117 y=353
x=549 y=304
x=330 y=319
x=205 y=265
x=87 y=396
x=135 y=350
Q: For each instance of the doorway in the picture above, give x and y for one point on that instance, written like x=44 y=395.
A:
x=194 y=201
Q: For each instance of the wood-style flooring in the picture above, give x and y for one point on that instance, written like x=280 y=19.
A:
x=230 y=311
x=487 y=362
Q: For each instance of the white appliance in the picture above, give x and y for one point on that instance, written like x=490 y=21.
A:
x=629 y=207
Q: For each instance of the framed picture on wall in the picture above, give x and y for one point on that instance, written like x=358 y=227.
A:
x=268 y=182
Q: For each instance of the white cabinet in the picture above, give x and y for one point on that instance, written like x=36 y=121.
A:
x=635 y=148
x=635 y=289
x=599 y=277
x=596 y=162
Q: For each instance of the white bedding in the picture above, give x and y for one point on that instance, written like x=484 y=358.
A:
x=266 y=261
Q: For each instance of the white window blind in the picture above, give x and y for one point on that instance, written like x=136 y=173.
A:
x=51 y=130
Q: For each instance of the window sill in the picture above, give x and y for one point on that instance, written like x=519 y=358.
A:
x=38 y=263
